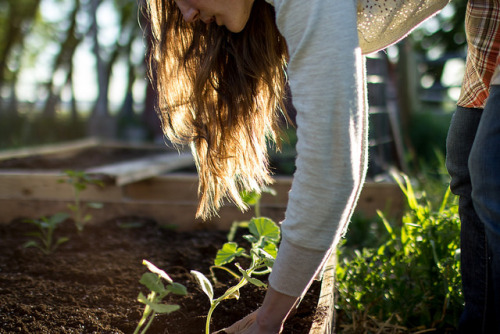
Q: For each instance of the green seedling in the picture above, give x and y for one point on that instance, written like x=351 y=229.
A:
x=153 y=281
x=45 y=234
x=79 y=181
x=264 y=237
x=250 y=198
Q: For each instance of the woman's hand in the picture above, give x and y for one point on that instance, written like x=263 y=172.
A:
x=268 y=319
x=246 y=325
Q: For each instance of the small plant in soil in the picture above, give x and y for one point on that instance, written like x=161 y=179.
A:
x=79 y=181
x=252 y=199
x=45 y=235
x=264 y=237
x=153 y=281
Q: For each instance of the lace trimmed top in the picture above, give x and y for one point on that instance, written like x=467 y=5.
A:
x=385 y=22
x=382 y=23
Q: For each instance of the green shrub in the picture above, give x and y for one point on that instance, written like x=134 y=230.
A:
x=410 y=282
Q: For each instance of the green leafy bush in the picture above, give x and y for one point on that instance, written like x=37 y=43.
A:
x=411 y=281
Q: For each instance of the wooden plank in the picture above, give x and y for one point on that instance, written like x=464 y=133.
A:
x=59 y=149
x=19 y=185
x=325 y=310
x=168 y=187
x=180 y=214
x=177 y=192
x=131 y=171
x=386 y=197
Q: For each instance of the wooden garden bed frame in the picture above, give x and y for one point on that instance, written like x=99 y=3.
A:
x=148 y=187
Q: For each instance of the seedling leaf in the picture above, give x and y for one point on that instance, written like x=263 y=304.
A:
x=152 y=282
x=205 y=284
x=164 y=308
x=34 y=234
x=256 y=282
x=264 y=227
x=61 y=240
x=157 y=307
x=177 y=288
x=269 y=190
x=252 y=280
x=250 y=197
x=270 y=251
x=141 y=298
x=234 y=295
x=152 y=268
x=228 y=253
x=250 y=238
x=234 y=228
x=59 y=217
x=31 y=243
x=95 y=205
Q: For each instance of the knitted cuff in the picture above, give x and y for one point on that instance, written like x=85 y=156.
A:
x=295 y=268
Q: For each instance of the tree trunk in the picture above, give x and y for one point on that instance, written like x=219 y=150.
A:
x=20 y=14
x=101 y=124
x=149 y=115
x=408 y=90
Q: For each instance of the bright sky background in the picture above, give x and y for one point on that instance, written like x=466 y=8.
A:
x=85 y=78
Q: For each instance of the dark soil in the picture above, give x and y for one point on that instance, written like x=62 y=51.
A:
x=90 y=284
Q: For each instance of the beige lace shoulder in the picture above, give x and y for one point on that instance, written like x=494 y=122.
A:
x=385 y=22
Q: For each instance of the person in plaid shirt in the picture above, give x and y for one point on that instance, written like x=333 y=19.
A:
x=473 y=161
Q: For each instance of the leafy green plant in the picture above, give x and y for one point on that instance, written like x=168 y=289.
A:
x=79 y=180
x=264 y=237
x=153 y=281
x=252 y=199
x=45 y=234
x=411 y=281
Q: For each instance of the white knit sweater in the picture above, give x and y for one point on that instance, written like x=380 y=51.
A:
x=326 y=76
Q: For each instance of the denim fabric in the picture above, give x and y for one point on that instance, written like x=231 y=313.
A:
x=473 y=161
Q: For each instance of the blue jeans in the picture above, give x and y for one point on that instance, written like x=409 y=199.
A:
x=473 y=161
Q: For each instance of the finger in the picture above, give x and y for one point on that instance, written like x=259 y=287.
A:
x=241 y=325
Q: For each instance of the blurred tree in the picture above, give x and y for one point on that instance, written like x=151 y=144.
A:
x=64 y=62
x=16 y=20
x=440 y=38
x=31 y=35
x=101 y=123
x=446 y=33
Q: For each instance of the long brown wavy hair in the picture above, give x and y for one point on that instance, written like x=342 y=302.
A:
x=222 y=93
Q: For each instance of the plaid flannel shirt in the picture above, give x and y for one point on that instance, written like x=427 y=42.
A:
x=482 y=25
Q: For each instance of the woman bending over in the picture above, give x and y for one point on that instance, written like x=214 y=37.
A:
x=220 y=68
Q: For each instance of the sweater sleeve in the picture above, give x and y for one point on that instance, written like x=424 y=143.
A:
x=326 y=79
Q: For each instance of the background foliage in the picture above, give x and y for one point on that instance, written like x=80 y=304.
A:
x=407 y=279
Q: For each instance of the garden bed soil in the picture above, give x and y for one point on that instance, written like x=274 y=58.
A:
x=91 y=283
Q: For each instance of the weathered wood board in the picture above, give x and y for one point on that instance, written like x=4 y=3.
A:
x=146 y=188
